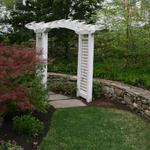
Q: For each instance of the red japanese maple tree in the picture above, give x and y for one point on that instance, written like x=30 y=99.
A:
x=14 y=62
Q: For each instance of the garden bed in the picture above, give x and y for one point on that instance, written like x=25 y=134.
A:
x=26 y=142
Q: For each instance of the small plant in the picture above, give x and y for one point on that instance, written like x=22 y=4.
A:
x=27 y=124
x=69 y=87
x=97 y=90
x=62 y=86
x=9 y=146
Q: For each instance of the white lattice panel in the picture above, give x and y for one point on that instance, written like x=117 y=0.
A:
x=83 y=81
x=85 y=66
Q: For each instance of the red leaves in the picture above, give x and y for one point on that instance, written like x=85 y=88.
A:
x=14 y=62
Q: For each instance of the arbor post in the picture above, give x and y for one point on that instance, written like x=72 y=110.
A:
x=42 y=48
x=85 y=66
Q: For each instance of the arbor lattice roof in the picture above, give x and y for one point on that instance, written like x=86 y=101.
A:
x=75 y=25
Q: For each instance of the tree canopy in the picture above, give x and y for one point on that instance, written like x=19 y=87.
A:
x=48 y=10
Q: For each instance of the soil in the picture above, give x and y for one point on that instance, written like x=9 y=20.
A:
x=26 y=142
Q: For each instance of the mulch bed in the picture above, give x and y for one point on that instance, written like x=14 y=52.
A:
x=26 y=142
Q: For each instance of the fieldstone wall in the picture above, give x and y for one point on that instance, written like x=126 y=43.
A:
x=137 y=99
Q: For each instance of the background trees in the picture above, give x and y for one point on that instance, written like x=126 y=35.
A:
x=49 y=10
x=126 y=19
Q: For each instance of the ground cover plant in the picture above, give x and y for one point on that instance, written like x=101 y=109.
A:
x=69 y=87
x=26 y=141
x=94 y=128
x=9 y=146
x=27 y=124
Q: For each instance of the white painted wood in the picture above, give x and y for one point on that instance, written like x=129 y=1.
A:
x=79 y=65
x=38 y=41
x=24 y=2
x=42 y=48
x=83 y=66
x=85 y=50
x=90 y=67
x=45 y=57
x=76 y=25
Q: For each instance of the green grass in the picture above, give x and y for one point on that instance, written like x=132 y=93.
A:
x=93 y=128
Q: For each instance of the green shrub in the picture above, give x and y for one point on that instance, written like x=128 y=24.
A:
x=9 y=145
x=37 y=94
x=97 y=90
x=63 y=87
x=27 y=124
x=1 y=121
x=12 y=108
x=63 y=66
x=70 y=88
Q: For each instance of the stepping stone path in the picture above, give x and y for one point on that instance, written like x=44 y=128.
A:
x=61 y=101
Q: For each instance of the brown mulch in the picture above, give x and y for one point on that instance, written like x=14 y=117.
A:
x=26 y=142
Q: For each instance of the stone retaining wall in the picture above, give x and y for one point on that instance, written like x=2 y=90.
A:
x=135 y=98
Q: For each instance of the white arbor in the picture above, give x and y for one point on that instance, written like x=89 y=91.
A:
x=85 y=50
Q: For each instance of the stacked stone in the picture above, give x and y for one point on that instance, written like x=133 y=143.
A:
x=137 y=99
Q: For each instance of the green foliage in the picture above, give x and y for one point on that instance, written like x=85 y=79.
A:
x=125 y=20
x=12 y=108
x=9 y=145
x=75 y=9
x=114 y=63
x=37 y=93
x=97 y=90
x=68 y=87
x=8 y=3
x=63 y=65
x=62 y=86
x=46 y=10
x=121 y=51
x=27 y=124
x=1 y=121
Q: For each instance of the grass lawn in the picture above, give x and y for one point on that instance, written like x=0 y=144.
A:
x=93 y=128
